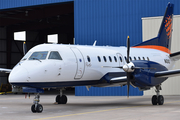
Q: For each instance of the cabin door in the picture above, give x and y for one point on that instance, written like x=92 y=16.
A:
x=80 y=63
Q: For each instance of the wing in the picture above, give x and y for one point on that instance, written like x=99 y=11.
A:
x=169 y=73
x=5 y=70
x=118 y=79
x=114 y=79
x=175 y=56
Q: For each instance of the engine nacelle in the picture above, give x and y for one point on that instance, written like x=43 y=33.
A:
x=144 y=77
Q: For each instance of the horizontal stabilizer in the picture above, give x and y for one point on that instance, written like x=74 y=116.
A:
x=169 y=73
x=175 y=56
x=5 y=70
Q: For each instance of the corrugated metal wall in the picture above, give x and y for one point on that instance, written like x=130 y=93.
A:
x=150 y=29
x=107 y=91
x=5 y=4
x=110 y=22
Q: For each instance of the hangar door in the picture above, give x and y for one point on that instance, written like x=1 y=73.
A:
x=38 y=21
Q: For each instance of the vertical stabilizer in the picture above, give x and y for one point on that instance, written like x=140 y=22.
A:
x=163 y=40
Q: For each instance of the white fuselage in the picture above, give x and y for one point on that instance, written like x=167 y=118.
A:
x=80 y=63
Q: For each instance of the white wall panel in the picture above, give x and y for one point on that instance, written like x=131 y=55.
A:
x=150 y=29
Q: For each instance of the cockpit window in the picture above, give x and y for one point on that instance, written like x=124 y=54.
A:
x=26 y=56
x=39 y=55
x=54 y=55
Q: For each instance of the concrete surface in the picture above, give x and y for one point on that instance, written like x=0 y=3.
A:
x=16 y=107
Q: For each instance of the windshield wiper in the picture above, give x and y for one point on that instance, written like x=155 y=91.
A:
x=36 y=59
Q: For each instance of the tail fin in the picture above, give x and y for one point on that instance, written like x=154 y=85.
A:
x=163 y=40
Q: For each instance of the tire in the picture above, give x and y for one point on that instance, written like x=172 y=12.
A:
x=61 y=100
x=33 y=108
x=154 y=100
x=39 y=108
x=160 y=100
x=58 y=99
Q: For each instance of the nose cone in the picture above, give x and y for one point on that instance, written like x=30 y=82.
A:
x=18 y=74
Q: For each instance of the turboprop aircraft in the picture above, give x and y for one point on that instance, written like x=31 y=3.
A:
x=144 y=65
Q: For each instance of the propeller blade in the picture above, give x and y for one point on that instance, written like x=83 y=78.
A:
x=24 y=48
x=128 y=83
x=128 y=49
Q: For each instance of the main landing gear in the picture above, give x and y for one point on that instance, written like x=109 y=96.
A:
x=157 y=99
x=61 y=99
x=36 y=107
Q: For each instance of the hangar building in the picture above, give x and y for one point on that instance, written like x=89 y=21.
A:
x=107 y=21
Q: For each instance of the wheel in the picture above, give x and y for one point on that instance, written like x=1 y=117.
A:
x=154 y=100
x=160 y=100
x=58 y=99
x=39 y=108
x=33 y=108
x=61 y=100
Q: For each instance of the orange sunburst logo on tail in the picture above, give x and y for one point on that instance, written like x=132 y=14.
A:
x=168 y=26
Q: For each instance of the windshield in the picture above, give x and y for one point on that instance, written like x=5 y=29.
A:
x=55 y=55
x=26 y=56
x=39 y=55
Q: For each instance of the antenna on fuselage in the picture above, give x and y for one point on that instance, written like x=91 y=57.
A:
x=94 y=43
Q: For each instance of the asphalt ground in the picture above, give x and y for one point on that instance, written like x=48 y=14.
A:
x=16 y=107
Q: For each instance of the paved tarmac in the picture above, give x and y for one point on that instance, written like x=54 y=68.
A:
x=16 y=107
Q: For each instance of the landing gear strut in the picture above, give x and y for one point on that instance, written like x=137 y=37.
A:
x=61 y=99
x=157 y=99
x=36 y=107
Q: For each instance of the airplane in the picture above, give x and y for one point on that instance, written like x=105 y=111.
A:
x=144 y=65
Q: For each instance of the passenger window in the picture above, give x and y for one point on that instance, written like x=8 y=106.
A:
x=55 y=55
x=115 y=59
x=130 y=58
x=143 y=58
x=88 y=58
x=139 y=58
x=134 y=58
x=147 y=58
x=104 y=58
x=99 y=59
x=38 y=55
x=125 y=59
x=120 y=59
x=110 y=59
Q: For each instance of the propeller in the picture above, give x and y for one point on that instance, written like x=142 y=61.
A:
x=129 y=67
x=128 y=73
x=24 y=48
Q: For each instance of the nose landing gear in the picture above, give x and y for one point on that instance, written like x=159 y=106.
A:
x=36 y=107
x=157 y=99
